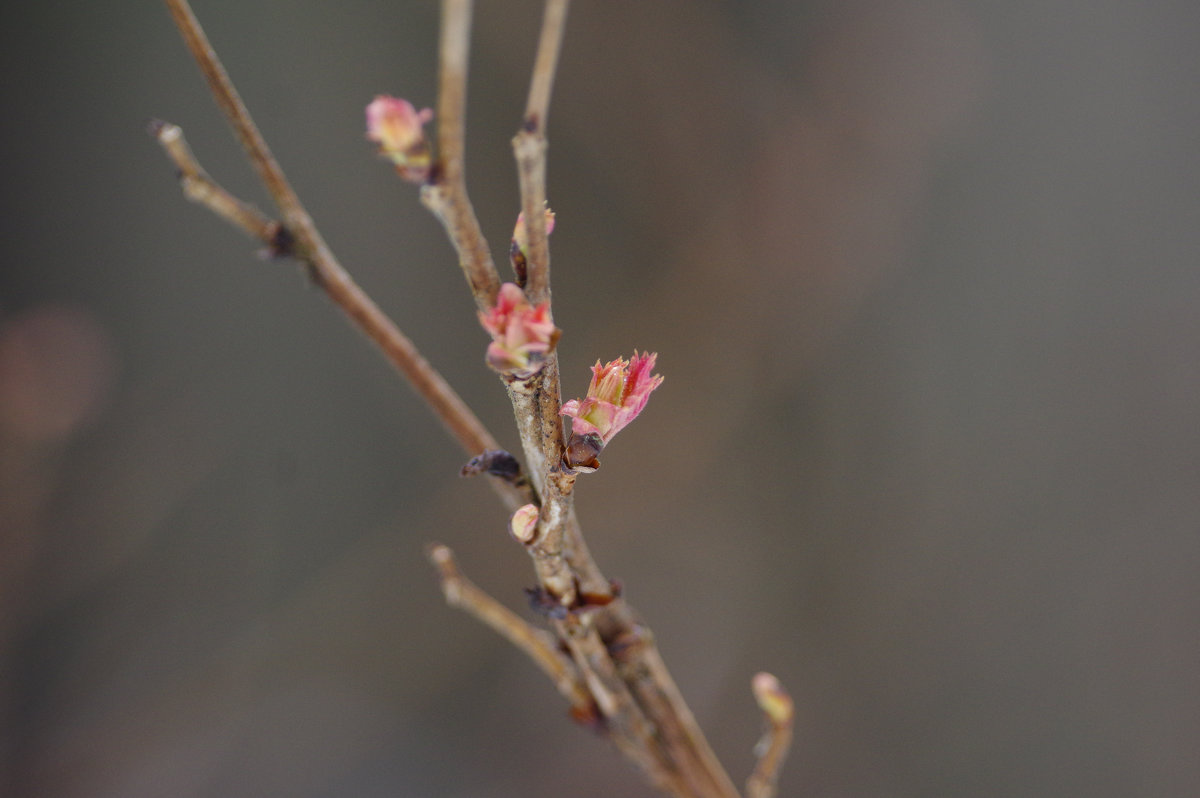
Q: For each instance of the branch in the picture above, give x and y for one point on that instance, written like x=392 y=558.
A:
x=677 y=757
x=772 y=749
x=537 y=401
x=632 y=647
x=632 y=732
x=614 y=668
x=538 y=645
x=230 y=103
x=203 y=190
x=529 y=147
x=309 y=247
x=541 y=437
x=446 y=196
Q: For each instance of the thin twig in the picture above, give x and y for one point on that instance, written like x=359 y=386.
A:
x=230 y=103
x=641 y=667
x=554 y=22
x=324 y=267
x=203 y=190
x=529 y=147
x=538 y=645
x=446 y=195
x=629 y=728
x=772 y=749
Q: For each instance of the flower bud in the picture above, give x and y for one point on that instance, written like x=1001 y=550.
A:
x=524 y=523
x=396 y=127
x=522 y=335
x=520 y=235
x=617 y=394
x=772 y=699
x=518 y=251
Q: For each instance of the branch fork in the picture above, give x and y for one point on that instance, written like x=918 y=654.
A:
x=598 y=653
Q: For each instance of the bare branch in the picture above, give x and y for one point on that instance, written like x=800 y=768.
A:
x=538 y=645
x=627 y=725
x=309 y=247
x=554 y=22
x=633 y=650
x=203 y=190
x=446 y=196
x=529 y=147
x=230 y=103
x=772 y=749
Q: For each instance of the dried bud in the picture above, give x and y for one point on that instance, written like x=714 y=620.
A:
x=618 y=392
x=396 y=127
x=522 y=335
x=496 y=462
x=524 y=523
x=772 y=699
x=582 y=451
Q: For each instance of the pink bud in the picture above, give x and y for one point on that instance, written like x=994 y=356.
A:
x=617 y=394
x=522 y=335
x=772 y=699
x=524 y=523
x=396 y=127
x=520 y=235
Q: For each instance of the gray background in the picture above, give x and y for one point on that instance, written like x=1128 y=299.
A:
x=922 y=277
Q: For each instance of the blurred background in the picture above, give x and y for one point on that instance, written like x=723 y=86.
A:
x=922 y=278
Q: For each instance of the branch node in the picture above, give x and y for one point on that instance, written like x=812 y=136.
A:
x=540 y=646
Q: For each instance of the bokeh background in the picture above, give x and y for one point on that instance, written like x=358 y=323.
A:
x=922 y=277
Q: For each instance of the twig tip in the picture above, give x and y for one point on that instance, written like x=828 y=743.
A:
x=772 y=699
x=162 y=130
x=439 y=554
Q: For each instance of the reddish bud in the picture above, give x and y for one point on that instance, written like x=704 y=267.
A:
x=617 y=394
x=397 y=128
x=522 y=335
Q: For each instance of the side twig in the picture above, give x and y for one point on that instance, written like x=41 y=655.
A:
x=772 y=749
x=446 y=194
x=640 y=665
x=628 y=726
x=309 y=247
x=529 y=146
x=295 y=217
x=538 y=645
x=203 y=190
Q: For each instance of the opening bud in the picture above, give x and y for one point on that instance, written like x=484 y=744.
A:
x=397 y=128
x=617 y=394
x=522 y=335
